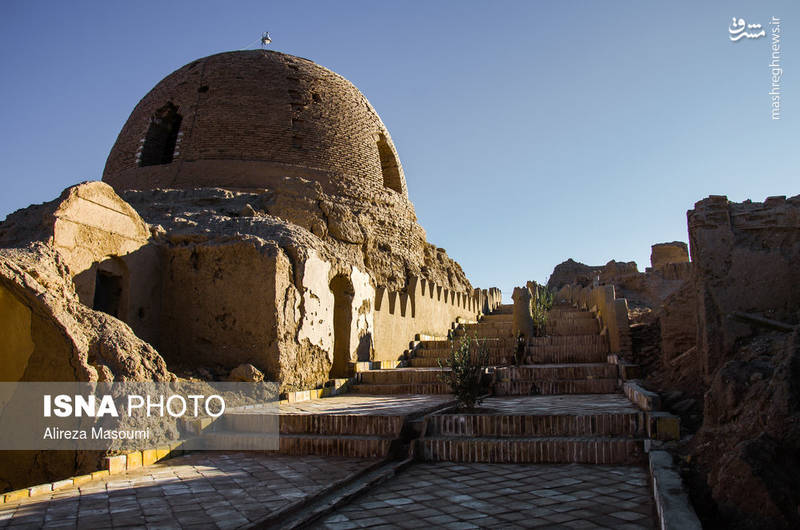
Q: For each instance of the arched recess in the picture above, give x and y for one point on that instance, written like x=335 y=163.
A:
x=162 y=135
x=111 y=290
x=390 y=167
x=343 y=292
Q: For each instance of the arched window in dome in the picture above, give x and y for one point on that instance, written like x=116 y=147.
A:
x=159 y=143
x=389 y=165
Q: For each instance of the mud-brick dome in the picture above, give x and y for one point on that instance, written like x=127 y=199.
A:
x=246 y=119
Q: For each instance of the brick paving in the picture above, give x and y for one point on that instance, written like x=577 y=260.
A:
x=447 y=495
x=200 y=490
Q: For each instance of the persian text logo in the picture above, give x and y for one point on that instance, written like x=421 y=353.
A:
x=740 y=29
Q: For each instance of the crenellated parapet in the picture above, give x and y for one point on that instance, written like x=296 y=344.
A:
x=423 y=308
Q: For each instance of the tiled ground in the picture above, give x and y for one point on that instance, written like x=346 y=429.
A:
x=363 y=404
x=201 y=490
x=580 y=404
x=445 y=495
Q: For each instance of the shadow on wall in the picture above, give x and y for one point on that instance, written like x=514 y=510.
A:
x=343 y=293
x=105 y=286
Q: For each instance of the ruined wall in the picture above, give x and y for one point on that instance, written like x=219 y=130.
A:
x=218 y=305
x=746 y=260
x=745 y=257
x=678 y=322
x=665 y=253
x=572 y=272
x=424 y=308
x=50 y=336
x=87 y=224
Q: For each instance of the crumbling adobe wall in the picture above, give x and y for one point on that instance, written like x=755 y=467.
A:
x=62 y=339
x=745 y=257
x=678 y=320
x=662 y=254
x=373 y=230
x=93 y=230
x=572 y=272
x=641 y=289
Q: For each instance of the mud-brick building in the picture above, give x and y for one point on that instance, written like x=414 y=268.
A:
x=252 y=210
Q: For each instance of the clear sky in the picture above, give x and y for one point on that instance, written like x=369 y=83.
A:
x=529 y=131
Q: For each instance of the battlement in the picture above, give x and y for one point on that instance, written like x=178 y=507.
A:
x=423 y=308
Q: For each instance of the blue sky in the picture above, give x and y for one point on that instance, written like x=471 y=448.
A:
x=530 y=132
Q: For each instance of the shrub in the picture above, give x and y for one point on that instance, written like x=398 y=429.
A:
x=540 y=305
x=467 y=360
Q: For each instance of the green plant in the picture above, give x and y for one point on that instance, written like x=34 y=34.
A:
x=540 y=306
x=467 y=361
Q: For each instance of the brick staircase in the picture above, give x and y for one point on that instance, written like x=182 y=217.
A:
x=401 y=381
x=422 y=374
x=348 y=426
x=572 y=360
x=538 y=430
x=358 y=436
x=562 y=406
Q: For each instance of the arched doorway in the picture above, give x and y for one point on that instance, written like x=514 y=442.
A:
x=111 y=288
x=343 y=292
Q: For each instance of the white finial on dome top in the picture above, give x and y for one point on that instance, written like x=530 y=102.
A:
x=265 y=39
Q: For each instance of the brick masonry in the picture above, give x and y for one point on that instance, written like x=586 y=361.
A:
x=249 y=116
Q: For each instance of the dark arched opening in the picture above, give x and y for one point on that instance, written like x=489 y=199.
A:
x=390 y=167
x=343 y=293
x=111 y=288
x=159 y=143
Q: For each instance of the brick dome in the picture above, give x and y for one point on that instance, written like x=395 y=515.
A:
x=245 y=120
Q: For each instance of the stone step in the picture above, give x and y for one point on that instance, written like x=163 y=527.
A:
x=485 y=333
x=560 y=356
x=402 y=376
x=445 y=351
x=303 y=444
x=566 y=344
x=496 y=317
x=502 y=324
x=566 y=386
x=322 y=424
x=581 y=327
x=570 y=314
x=432 y=360
x=535 y=425
x=548 y=450
x=553 y=372
x=570 y=340
x=408 y=388
x=503 y=309
x=446 y=344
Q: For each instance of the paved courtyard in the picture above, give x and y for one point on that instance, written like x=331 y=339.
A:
x=201 y=490
x=446 y=495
